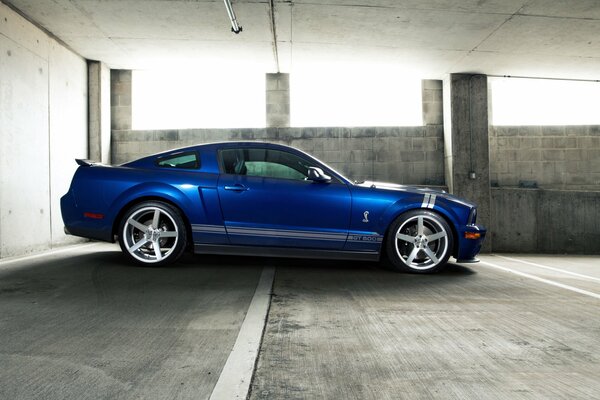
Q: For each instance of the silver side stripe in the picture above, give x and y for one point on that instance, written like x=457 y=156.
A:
x=290 y=237
x=287 y=233
x=284 y=233
x=428 y=200
x=208 y=228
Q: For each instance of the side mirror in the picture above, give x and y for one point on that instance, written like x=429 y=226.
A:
x=317 y=175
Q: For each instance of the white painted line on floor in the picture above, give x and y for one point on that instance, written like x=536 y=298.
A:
x=537 y=278
x=234 y=381
x=593 y=278
x=52 y=252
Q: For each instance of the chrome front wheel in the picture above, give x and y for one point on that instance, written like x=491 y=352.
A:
x=419 y=241
x=152 y=233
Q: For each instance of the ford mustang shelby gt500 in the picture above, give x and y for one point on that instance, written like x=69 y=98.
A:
x=264 y=199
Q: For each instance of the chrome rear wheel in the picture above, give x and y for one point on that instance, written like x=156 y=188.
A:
x=152 y=233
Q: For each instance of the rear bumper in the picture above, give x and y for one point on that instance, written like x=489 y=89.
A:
x=78 y=225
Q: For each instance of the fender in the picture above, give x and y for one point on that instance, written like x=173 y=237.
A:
x=416 y=203
x=183 y=200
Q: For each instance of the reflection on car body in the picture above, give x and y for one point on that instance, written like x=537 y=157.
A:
x=253 y=198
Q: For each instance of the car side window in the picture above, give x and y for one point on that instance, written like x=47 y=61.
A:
x=187 y=160
x=266 y=163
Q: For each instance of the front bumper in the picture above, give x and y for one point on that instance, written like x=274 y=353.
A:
x=469 y=242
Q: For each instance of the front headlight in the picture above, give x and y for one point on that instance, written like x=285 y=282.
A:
x=472 y=217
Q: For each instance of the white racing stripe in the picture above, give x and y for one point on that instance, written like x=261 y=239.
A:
x=549 y=268
x=537 y=278
x=432 y=201
x=428 y=200
x=425 y=201
x=234 y=381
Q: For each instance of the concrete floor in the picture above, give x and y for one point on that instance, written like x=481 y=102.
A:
x=85 y=324
x=88 y=325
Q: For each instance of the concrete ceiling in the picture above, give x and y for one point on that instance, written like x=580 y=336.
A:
x=426 y=38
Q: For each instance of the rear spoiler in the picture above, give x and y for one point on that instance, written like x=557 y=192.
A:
x=86 y=163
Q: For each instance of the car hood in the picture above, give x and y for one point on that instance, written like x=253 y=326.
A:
x=412 y=189
x=396 y=186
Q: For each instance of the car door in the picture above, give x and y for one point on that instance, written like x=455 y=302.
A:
x=267 y=200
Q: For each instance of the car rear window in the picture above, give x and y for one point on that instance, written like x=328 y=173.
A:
x=189 y=160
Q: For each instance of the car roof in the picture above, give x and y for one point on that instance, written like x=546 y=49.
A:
x=148 y=161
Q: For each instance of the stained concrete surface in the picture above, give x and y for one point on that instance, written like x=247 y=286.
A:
x=351 y=331
x=88 y=325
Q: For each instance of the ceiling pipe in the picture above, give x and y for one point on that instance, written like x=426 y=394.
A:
x=544 y=78
x=274 y=32
x=235 y=27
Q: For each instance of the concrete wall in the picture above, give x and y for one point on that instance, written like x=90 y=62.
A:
x=563 y=215
x=561 y=157
x=432 y=102
x=277 y=100
x=545 y=221
x=43 y=127
x=99 y=123
x=466 y=142
x=399 y=154
x=120 y=99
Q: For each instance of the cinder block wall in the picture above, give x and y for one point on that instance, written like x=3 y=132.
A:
x=555 y=157
x=562 y=215
x=545 y=221
x=413 y=155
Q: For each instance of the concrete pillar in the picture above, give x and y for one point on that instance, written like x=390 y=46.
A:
x=467 y=162
x=278 y=100
x=433 y=110
x=98 y=112
x=120 y=99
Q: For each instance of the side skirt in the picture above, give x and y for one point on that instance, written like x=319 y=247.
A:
x=285 y=252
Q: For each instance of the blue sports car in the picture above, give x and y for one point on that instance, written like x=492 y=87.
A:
x=251 y=198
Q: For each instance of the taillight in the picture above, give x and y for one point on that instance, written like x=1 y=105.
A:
x=93 y=215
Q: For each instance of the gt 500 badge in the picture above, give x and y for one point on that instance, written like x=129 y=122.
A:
x=362 y=238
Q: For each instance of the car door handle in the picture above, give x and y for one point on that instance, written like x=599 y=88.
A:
x=236 y=188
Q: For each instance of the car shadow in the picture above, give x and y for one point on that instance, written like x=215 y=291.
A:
x=100 y=274
x=199 y=261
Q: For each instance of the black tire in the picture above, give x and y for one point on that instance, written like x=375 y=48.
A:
x=138 y=235
x=424 y=252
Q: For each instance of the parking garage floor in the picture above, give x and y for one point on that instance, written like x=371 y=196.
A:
x=82 y=323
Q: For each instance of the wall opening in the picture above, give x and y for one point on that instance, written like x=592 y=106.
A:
x=354 y=97
x=184 y=99
x=519 y=101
